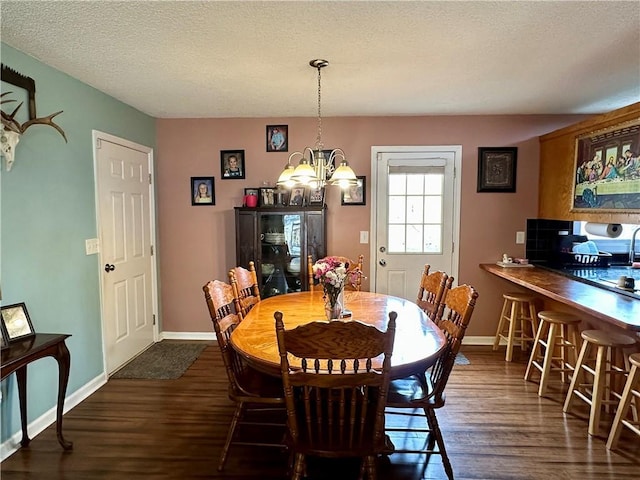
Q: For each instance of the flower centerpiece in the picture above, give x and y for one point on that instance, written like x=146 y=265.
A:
x=332 y=274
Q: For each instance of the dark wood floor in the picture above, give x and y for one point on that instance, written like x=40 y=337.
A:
x=494 y=424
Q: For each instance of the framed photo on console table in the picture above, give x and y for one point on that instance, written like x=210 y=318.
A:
x=606 y=173
x=16 y=323
x=497 y=169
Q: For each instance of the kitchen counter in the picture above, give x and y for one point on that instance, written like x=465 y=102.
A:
x=612 y=307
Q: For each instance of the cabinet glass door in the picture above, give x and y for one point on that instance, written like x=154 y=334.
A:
x=281 y=252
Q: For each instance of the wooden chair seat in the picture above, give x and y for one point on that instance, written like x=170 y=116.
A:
x=249 y=389
x=426 y=392
x=335 y=399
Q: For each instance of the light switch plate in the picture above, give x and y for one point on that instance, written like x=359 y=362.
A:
x=364 y=236
x=92 y=246
x=520 y=237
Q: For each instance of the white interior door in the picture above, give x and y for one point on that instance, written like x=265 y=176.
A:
x=125 y=229
x=415 y=215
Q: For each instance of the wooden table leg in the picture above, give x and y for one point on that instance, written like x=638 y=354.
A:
x=21 y=375
x=64 y=361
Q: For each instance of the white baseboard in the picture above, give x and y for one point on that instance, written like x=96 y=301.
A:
x=12 y=444
x=187 y=336
x=475 y=340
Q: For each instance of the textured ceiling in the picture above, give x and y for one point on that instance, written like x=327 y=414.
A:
x=175 y=59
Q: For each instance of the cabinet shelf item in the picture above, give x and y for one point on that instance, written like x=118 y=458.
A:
x=276 y=239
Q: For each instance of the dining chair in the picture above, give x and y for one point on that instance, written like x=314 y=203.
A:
x=353 y=266
x=431 y=291
x=335 y=398
x=245 y=287
x=250 y=390
x=427 y=392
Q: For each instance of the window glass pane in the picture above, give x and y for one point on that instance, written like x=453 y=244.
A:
x=396 y=239
x=432 y=209
x=414 y=209
x=396 y=209
x=415 y=184
x=414 y=238
x=397 y=184
x=434 y=183
x=433 y=239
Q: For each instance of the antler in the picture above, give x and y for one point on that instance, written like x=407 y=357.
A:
x=10 y=123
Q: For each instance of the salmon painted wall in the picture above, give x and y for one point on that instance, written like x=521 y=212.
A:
x=197 y=244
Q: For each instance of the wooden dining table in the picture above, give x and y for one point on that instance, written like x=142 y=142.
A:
x=418 y=341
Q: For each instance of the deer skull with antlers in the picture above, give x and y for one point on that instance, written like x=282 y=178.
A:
x=12 y=130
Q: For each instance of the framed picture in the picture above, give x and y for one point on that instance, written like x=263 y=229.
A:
x=316 y=196
x=355 y=194
x=277 y=138
x=497 y=169
x=232 y=164
x=267 y=197
x=16 y=323
x=606 y=174
x=203 y=191
x=297 y=196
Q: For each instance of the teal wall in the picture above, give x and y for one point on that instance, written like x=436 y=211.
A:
x=47 y=210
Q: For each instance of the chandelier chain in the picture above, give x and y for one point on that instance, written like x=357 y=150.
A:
x=319 y=145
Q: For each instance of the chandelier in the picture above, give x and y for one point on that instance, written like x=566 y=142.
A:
x=314 y=169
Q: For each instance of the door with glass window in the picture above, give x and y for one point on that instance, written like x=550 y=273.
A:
x=415 y=216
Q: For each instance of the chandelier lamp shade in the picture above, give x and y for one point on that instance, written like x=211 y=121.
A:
x=313 y=165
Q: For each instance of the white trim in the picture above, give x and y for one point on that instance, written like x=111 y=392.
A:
x=477 y=340
x=188 y=336
x=12 y=444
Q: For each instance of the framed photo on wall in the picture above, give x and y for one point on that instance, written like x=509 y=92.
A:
x=355 y=194
x=497 y=169
x=277 y=138
x=16 y=323
x=232 y=164
x=606 y=174
x=316 y=196
x=203 y=191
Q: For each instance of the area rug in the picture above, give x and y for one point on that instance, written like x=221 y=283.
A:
x=461 y=360
x=162 y=361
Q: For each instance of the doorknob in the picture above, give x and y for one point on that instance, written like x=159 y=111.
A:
x=382 y=262
x=109 y=268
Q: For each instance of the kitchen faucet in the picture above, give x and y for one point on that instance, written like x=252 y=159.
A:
x=632 y=247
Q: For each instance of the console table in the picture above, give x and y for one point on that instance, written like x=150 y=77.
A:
x=21 y=353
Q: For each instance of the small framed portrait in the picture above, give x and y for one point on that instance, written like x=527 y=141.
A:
x=316 y=196
x=277 y=138
x=355 y=194
x=497 y=169
x=203 y=191
x=297 y=196
x=16 y=323
x=232 y=165
x=267 y=197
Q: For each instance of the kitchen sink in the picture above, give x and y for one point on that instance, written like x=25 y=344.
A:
x=606 y=277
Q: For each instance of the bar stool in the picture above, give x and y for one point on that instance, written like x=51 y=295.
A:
x=631 y=390
x=518 y=310
x=562 y=336
x=601 y=369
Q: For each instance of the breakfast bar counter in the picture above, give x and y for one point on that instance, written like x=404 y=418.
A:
x=612 y=307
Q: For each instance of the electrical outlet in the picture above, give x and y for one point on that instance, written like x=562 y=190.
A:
x=519 y=238
x=92 y=246
x=364 y=236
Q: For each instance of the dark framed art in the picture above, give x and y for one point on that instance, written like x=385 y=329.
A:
x=203 y=191
x=232 y=166
x=297 y=196
x=267 y=197
x=277 y=138
x=497 y=169
x=316 y=196
x=16 y=323
x=355 y=194
x=606 y=173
